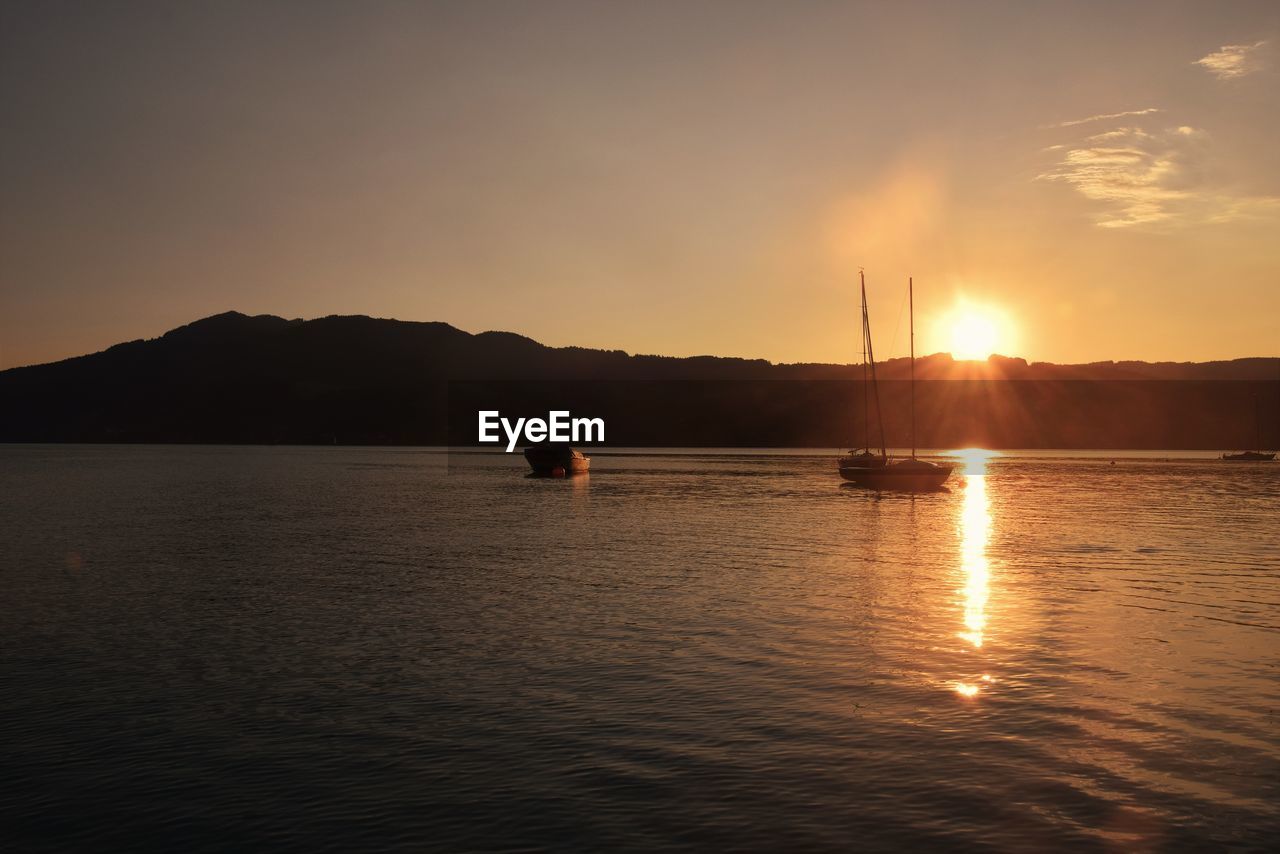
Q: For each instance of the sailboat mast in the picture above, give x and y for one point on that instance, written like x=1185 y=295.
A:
x=866 y=400
x=911 y=300
x=871 y=360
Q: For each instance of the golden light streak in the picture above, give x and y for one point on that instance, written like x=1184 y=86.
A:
x=975 y=528
x=975 y=531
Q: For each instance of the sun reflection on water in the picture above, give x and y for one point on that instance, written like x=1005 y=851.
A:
x=975 y=530
x=975 y=524
x=973 y=461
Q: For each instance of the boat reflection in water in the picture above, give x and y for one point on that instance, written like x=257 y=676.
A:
x=975 y=530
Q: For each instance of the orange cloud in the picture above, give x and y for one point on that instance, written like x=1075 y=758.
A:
x=1233 y=60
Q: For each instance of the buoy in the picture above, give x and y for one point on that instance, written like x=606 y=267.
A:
x=558 y=471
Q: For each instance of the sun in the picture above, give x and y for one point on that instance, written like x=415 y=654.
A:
x=973 y=336
x=975 y=331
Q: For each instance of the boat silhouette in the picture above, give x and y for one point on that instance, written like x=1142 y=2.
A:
x=1253 y=456
x=863 y=467
x=556 y=460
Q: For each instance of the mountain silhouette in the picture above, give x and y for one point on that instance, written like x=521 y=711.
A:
x=233 y=378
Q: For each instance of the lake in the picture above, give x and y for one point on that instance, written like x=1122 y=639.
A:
x=207 y=648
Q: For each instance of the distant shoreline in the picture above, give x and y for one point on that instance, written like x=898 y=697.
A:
x=1190 y=454
x=238 y=380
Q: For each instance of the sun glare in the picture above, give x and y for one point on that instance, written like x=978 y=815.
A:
x=974 y=460
x=975 y=331
x=973 y=336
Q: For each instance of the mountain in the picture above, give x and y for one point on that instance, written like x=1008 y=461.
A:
x=264 y=379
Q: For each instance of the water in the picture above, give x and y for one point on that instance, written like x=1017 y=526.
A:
x=352 y=649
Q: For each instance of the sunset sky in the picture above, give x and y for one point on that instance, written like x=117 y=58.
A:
x=660 y=177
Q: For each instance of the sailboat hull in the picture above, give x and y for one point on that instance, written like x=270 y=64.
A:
x=898 y=477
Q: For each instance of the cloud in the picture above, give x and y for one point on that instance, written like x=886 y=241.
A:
x=1103 y=116
x=1120 y=133
x=1144 y=178
x=1233 y=60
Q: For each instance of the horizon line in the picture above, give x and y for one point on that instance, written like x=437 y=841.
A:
x=633 y=354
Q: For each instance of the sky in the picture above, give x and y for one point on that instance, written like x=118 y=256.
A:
x=1097 y=180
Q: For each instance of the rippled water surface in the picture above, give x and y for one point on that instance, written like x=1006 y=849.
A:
x=350 y=649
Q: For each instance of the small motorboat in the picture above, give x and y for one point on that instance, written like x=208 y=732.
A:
x=1250 y=456
x=555 y=460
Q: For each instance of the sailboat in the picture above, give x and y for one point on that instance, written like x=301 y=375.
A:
x=1253 y=456
x=864 y=457
x=909 y=475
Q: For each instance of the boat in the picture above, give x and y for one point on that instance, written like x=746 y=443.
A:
x=865 y=457
x=556 y=460
x=909 y=475
x=1253 y=456
x=861 y=459
x=882 y=473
